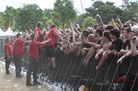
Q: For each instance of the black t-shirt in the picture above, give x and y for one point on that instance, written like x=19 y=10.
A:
x=116 y=45
x=126 y=45
x=86 y=45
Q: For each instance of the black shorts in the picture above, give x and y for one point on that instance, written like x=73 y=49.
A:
x=50 y=51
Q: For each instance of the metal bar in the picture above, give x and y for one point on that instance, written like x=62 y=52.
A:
x=76 y=74
x=106 y=75
x=109 y=89
x=127 y=74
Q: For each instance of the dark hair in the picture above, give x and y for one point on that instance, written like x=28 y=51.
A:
x=53 y=26
x=115 y=32
x=18 y=35
x=39 y=23
x=100 y=31
x=109 y=27
x=85 y=33
x=32 y=36
x=128 y=29
x=107 y=35
x=6 y=39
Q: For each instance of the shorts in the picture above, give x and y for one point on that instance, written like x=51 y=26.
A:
x=50 y=51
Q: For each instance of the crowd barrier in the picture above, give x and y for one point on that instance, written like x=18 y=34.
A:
x=71 y=73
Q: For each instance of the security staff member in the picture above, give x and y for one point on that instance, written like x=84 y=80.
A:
x=33 y=55
x=8 y=54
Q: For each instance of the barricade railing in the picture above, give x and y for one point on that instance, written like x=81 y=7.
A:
x=71 y=72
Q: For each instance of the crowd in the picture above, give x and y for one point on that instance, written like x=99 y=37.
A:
x=99 y=41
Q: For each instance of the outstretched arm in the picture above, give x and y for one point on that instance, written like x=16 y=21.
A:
x=101 y=21
x=121 y=24
x=115 y=26
x=58 y=35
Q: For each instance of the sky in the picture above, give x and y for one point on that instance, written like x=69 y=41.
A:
x=49 y=4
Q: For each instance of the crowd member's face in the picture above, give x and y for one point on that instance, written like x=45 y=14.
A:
x=8 y=40
x=111 y=36
x=41 y=25
x=132 y=34
x=126 y=34
x=104 y=38
x=20 y=37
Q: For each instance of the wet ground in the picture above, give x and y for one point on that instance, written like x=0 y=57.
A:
x=11 y=83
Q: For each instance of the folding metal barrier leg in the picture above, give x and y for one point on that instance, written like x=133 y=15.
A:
x=62 y=69
x=57 y=73
x=93 y=67
x=76 y=75
x=66 y=72
x=106 y=75
x=127 y=74
x=134 y=81
x=94 y=80
x=81 y=76
x=113 y=77
x=71 y=72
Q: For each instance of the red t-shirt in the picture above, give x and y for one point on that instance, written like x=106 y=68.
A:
x=39 y=31
x=34 y=48
x=51 y=35
x=18 y=46
x=8 y=48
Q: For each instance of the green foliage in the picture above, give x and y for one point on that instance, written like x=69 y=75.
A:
x=108 y=10
x=88 y=22
x=8 y=17
x=63 y=12
x=47 y=17
x=28 y=16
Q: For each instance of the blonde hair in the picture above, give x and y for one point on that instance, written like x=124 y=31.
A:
x=135 y=29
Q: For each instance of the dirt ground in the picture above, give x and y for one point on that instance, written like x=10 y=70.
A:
x=11 y=83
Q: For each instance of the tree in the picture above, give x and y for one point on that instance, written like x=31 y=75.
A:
x=47 y=17
x=88 y=22
x=28 y=16
x=9 y=17
x=63 y=12
x=105 y=10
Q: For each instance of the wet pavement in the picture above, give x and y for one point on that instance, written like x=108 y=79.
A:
x=11 y=83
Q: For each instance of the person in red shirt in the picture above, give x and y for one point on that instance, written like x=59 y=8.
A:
x=38 y=30
x=49 y=47
x=8 y=54
x=33 y=56
x=18 y=50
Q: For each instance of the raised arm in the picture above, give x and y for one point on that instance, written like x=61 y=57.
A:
x=121 y=24
x=58 y=35
x=101 y=21
x=73 y=35
x=115 y=26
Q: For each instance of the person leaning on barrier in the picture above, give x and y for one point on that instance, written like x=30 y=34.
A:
x=115 y=47
x=95 y=46
x=126 y=41
x=134 y=44
x=8 y=54
x=106 y=47
x=33 y=56
x=18 y=50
